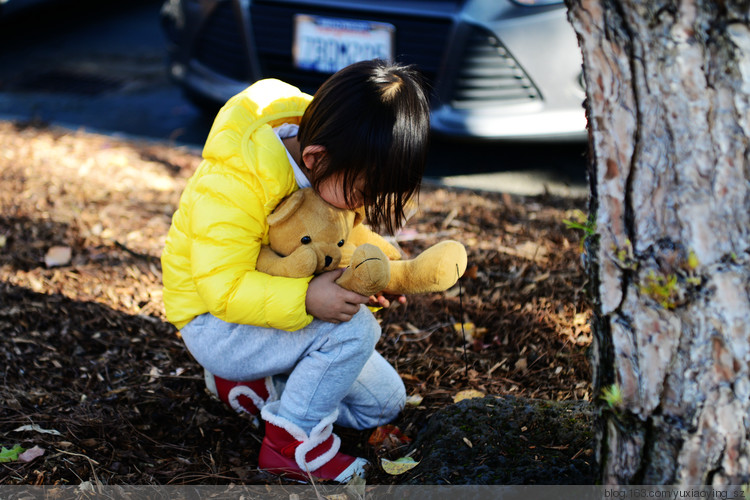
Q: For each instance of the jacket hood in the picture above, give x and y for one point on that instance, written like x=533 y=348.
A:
x=268 y=102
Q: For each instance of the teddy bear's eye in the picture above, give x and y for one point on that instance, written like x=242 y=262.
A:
x=306 y=240
x=341 y=243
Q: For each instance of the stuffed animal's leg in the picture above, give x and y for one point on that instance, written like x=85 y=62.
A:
x=368 y=271
x=434 y=270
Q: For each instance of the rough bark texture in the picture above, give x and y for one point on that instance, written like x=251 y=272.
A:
x=668 y=100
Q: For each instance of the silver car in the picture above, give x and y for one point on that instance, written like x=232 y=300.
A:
x=497 y=69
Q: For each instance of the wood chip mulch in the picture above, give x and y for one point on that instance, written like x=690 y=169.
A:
x=94 y=376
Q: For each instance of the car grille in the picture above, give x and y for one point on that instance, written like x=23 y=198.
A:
x=219 y=46
x=418 y=41
x=490 y=76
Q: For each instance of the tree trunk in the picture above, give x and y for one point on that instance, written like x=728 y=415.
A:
x=668 y=103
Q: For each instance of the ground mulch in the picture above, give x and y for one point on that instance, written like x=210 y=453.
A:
x=94 y=376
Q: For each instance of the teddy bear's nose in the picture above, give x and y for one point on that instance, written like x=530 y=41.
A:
x=328 y=260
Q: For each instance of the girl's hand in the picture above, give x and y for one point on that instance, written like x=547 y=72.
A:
x=384 y=301
x=328 y=301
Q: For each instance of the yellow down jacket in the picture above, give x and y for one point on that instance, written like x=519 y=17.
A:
x=209 y=257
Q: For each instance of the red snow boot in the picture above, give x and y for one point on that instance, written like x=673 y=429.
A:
x=242 y=397
x=288 y=451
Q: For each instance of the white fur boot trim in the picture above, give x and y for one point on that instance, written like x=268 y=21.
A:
x=317 y=436
x=242 y=390
x=271 y=388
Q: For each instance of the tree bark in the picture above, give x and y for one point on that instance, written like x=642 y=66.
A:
x=668 y=103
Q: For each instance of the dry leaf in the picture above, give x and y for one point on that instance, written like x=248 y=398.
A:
x=581 y=319
x=542 y=277
x=154 y=374
x=527 y=250
x=58 y=256
x=388 y=439
x=31 y=454
x=521 y=364
x=465 y=330
x=396 y=467
x=37 y=428
x=356 y=487
x=386 y=434
x=467 y=394
x=414 y=400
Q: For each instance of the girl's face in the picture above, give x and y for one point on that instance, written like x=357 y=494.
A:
x=332 y=191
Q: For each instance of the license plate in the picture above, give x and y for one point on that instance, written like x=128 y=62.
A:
x=326 y=44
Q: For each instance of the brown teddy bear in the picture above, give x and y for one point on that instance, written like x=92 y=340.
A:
x=308 y=236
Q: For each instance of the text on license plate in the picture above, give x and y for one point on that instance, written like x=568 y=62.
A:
x=326 y=44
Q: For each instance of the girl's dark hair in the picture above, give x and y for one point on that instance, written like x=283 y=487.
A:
x=373 y=119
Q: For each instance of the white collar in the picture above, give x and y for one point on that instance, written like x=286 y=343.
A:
x=284 y=132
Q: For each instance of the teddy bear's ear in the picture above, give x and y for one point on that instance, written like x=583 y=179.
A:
x=359 y=215
x=287 y=207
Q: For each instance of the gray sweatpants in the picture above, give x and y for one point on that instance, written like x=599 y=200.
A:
x=327 y=367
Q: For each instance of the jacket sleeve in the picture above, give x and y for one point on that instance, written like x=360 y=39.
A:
x=227 y=225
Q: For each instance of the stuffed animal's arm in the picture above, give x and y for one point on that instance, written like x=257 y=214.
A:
x=369 y=271
x=299 y=264
x=362 y=234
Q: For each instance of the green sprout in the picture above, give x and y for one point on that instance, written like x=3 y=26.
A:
x=693 y=261
x=625 y=256
x=612 y=395
x=582 y=222
x=662 y=289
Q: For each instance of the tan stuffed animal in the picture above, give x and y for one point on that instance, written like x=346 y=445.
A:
x=309 y=236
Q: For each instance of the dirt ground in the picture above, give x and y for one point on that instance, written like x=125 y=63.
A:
x=95 y=377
